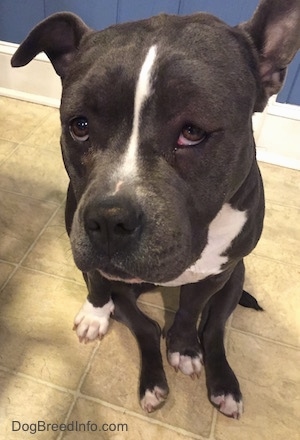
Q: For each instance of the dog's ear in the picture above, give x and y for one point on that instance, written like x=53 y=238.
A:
x=275 y=32
x=58 y=36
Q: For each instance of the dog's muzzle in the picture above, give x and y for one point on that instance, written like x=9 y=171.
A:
x=132 y=235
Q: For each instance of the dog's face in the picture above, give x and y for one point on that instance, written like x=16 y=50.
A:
x=156 y=131
x=155 y=142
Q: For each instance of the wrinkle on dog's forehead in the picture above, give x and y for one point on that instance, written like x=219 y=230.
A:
x=142 y=93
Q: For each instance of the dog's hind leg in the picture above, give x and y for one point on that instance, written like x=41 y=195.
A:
x=222 y=384
x=153 y=389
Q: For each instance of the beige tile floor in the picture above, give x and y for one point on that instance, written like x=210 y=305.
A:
x=46 y=375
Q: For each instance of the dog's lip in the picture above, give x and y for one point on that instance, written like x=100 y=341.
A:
x=122 y=279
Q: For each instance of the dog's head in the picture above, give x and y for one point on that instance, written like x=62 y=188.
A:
x=156 y=128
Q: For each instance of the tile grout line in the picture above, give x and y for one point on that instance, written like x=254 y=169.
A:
x=24 y=140
x=49 y=202
x=36 y=380
x=142 y=417
x=18 y=265
x=213 y=424
x=43 y=119
x=77 y=392
x=52 y=275
x=8 y=262
x=263 y=338
x=275 y=260
x=279 y=203
x=6 y=158
x=164 y=309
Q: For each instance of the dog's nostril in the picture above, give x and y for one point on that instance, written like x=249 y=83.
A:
x=125 y=229
x=93 y=225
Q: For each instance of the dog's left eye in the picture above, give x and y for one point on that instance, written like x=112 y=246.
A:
x=191 y=135
x=79 y=129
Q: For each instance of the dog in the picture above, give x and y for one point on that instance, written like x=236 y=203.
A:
x=164 y=188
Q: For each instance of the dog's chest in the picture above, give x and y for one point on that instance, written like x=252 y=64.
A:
x=224 y=228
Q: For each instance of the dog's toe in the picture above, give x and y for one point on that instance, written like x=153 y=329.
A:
x=153 y=399
x=189 y=365
x=228 y=405
x=92 y=322
x=91 y=328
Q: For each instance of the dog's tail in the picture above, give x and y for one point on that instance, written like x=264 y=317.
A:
x=249 y=301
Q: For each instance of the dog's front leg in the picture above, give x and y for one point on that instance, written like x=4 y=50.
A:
x=222 y=385
x=216 y=297
x=184 y=351
x=153 y=389
x=92 y=320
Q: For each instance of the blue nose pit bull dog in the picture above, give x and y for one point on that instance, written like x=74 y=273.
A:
x=164 y=186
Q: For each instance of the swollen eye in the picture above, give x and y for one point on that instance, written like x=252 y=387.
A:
x=79 y=129
x=191 y=135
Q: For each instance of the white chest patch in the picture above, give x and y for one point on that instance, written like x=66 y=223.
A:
x=143 y=90
x=224 y=228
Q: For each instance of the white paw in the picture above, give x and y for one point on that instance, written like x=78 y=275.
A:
x=153 y=399
x=228 y=405
x=92 y=322
x=191 y=366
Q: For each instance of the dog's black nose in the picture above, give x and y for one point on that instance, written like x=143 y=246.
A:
x=113 y=224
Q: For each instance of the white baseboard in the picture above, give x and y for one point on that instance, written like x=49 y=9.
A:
x=30 y=97
x=284 y=110
x=265 y=155
x=277 y=129
x=37 y=82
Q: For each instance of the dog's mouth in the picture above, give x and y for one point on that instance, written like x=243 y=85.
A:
x=118 y=275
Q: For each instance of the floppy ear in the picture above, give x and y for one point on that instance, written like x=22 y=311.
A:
x=58 y=36
x=275 y=32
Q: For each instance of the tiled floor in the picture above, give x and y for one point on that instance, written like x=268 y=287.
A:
x=46 y=375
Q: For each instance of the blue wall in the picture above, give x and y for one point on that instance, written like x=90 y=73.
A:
x=18 y=17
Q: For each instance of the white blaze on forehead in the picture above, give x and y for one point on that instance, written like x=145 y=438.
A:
x=142 y=92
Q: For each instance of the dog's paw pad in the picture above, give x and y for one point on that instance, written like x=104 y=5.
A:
x=153 y=399
x=189 y=365
x=228 y=405
x=92 y=322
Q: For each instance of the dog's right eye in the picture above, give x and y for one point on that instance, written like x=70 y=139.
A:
x=191 y=135
x=79 y=129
